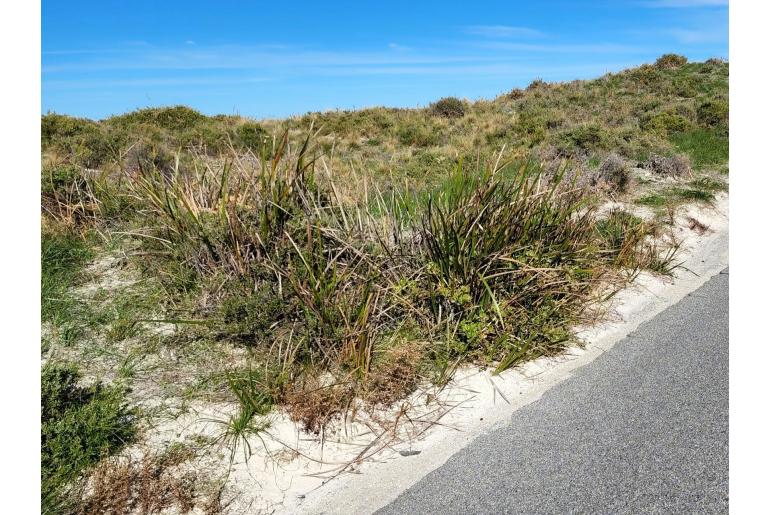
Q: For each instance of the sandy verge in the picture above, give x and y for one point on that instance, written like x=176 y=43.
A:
x=362 y=463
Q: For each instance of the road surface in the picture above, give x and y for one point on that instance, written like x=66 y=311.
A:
x=642 y=429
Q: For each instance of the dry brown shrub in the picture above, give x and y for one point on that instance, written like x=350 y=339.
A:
x=674 y=166
x=571 y=167
x=515 y=94
x=314 y=405
x=670 y=61
x=395 y=376
x=449 y=107
x=146 y=156
x=697 y=226
x=537 y=84
x=147 y=485
x=614 y=172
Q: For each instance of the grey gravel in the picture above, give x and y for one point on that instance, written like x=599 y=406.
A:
x=642 y=429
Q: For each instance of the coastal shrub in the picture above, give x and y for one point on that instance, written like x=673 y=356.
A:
x=674 y=166
x=588 y=137
x=614 y=172
x=666 y=123
x=79 y=426
x=713 y=113
x=670 y=61
x=176 y=118
x=253 y=136
x=418 y=135
x=449 y=107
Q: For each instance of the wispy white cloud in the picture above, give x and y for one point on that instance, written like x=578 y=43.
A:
x=562 y=48
x=188 y=66
x=503 y=31
x=396 y=46
x=685 y=3
x=87 y=51
x=192 y=66
x=690 y=36
x=152 y=82
x=244 y=58
x=497 y=70
x=704 y=29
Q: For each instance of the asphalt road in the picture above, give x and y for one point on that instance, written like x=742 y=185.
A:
x=642 y=429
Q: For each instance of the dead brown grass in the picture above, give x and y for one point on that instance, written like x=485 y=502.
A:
x=148 y=485
x=313 y=404
x=395 y=376
x=697 y=226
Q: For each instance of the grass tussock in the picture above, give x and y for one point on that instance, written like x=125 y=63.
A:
x=62 y=256
x=493 y=265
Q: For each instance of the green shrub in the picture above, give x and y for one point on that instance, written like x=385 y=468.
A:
x=685 y=87
x=648 y=76
x=713 y=113
x=253 y=136
x=687 y=111
x=418 y=135
x=652 y=200
x=149 y=156
x=82 y=141
x=449 y=107
x=79 y=426
x=58 y=127
x=693 y=194
x=249 y=316
x=588 y=137
x=666 y=123
x=61 y=178
x=500 y=135
x=207 y=138
x=533 y=123
x=670 y=61
x=708 y=184
x=176 y=118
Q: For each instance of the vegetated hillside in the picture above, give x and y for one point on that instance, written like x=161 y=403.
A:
x=664 y=108
x=338 y=260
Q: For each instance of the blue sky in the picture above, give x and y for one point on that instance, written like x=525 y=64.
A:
x=265 y=59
